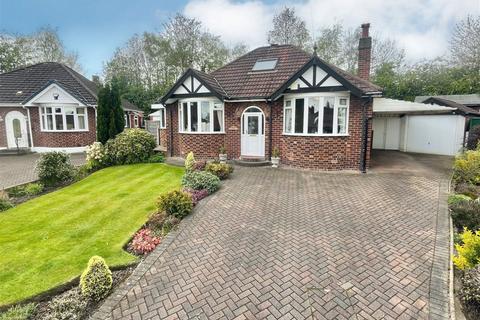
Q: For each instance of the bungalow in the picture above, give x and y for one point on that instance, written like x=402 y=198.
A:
x=49 y=106
x=278 y=96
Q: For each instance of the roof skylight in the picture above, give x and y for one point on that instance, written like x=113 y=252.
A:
x=262 y=65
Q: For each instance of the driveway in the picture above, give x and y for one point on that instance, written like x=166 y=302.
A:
x=287 y=244
x=15 y=170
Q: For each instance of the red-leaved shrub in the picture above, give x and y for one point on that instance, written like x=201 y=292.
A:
x=197 y=195
x=199 y=165
x=144 y=242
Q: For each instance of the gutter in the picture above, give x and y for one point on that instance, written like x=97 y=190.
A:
x=170 y=144
x=270 y=122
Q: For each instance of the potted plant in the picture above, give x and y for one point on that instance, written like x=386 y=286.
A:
x=275 y=157
x=222 y=154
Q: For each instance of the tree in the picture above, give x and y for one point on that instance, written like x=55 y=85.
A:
x=288 y=28
x=44 y=45
x=339 y=46
x=110 y=118
x=465 y=43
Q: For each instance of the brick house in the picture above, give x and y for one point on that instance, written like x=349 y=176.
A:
x=48 y=106
x=316 y=114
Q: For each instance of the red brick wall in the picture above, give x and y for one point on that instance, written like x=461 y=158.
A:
x=323 y=153
x=3 y=129
x=62 y=139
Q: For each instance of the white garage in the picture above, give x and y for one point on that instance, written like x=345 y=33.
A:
x=417 y=127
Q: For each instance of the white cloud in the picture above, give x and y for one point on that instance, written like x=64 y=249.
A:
x=422 y=27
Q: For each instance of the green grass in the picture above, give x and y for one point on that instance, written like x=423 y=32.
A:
x=47 y=241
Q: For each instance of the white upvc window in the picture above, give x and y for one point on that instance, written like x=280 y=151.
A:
x=316 y=115
x=63 y=118
x=201 y=116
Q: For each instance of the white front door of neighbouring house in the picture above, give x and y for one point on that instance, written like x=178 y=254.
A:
x=253 y=133
x=16 y=127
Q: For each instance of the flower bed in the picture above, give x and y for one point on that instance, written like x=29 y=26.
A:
x=464 y=206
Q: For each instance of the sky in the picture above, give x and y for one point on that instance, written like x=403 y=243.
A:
x=94 y=29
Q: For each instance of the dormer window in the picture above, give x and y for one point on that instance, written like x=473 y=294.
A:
x=265 y=65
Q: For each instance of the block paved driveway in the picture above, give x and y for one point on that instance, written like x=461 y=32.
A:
x=287 y=244
x=15 y=170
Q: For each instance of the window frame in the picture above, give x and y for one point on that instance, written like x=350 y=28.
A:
x=321 y=96
x=135 y=121
x=213 y=105
x=44 y=123
x=163 y=117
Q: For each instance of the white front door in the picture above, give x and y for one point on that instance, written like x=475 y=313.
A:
x=16 y=127
x=253 y=134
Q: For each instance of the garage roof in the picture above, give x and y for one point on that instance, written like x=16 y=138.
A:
x=393 y=106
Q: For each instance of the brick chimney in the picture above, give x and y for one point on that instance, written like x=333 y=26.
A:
x=364 y=53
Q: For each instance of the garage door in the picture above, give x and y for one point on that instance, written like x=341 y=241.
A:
x=386 y=133
x=434 y=134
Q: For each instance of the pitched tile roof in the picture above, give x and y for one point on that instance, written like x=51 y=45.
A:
x=31 y=80
x=237 y=80
x=452 y=104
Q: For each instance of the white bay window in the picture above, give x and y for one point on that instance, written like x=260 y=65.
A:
x=63 y=118
x=316 y=115
x=201 y=116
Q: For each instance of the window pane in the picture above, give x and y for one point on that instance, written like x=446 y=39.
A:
x=185 y=116
x=343 y=101
x=193 y=116
x=49 y=122
x=58 y=110
x=218 y=120
x=342 y=120
x=252 y=126
x=80 y=110
x=288 y=120
x=81 y=122
x=299 y=110
x=205 y=114
x=17 y=131
x=48 y=110
x=313 y=111
x=162 y=118
x=58 y=122
x=70 y=122
x=328 y=115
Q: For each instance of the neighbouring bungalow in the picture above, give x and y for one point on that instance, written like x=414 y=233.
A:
x=49 y=106
x=316 y=114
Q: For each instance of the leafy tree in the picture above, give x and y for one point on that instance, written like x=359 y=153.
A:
x=110 y=118
x=288 y=28
x=44 y=45
x=465 y=43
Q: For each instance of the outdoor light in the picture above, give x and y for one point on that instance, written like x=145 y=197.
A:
x=55 y=96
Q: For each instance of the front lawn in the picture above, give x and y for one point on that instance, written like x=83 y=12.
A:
x=47 y=241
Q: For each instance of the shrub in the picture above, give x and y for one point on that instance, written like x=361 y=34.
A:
x=468 y=189
x=199 y=165
x=96 y=156
x=157 y=158
x=96 y=280
x=470 y=291
x=473 y=138
x=16 y=192
x=144 y=242
x=199 y=180
x=466 y=214
x=189 y=162
x=221 y=170
x=468 y=253
x=70 y=305
x=19 y=312
x=169 y=223
x=32 y=189
x=130 y=146
x=155 y=221
x=175 y=203
x=466 y=167
x=197 y=195
x=222 y=150
x=455 y=199
x=5 y=204
x=275 y=152
x=54 y=168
